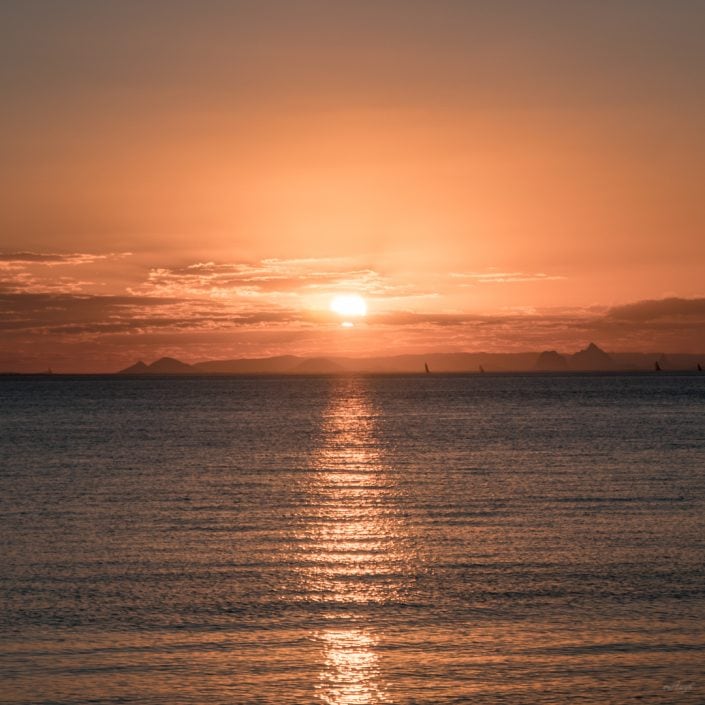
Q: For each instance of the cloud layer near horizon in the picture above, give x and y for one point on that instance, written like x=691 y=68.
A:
x=55 y=312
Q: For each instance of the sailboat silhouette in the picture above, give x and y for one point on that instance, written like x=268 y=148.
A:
x=428 y=372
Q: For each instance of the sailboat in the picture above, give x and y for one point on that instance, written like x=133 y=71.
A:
x=657 y=367
x=482 y=370
x=425 y=364
x=700 y=367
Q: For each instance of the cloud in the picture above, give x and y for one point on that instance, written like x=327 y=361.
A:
x=23 y=281
x=495 y=277
x=49 y=272
x=53 y=259
x=39 y=311
x=272 y=278
x=413 y=318
x=652 y=310
x=71 y=315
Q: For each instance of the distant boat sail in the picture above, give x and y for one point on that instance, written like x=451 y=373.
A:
x=482 y=370
x=657 y=367
x=425 y=364
x=700 y=367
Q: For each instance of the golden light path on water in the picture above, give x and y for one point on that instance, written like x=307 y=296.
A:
x=353 y=544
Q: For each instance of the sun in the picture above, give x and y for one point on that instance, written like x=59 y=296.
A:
x=348 y=305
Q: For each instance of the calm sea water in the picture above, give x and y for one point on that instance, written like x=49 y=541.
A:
x=437 y=539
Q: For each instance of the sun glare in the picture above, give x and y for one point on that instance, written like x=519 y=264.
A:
x=348 y=305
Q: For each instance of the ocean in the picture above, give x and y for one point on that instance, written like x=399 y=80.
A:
x=430 y=539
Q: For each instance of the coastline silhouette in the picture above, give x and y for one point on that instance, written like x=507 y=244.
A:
x=592 y=358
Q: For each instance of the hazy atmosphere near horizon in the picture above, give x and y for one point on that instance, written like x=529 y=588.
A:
x=199 y=180
x=352 y=352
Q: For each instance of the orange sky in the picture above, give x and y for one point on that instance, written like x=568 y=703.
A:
x=198 y=179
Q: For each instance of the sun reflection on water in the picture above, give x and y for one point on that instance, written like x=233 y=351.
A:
x=350 y=674
x=352 y=544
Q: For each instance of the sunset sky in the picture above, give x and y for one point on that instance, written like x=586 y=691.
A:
x=199 y=179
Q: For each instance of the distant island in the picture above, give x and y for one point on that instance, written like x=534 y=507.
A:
x=590 y=359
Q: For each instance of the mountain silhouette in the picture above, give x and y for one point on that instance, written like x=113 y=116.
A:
x=163 y=366
x=139 y=368
x=170 y=366
x=551 y=361
x=592 y=359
